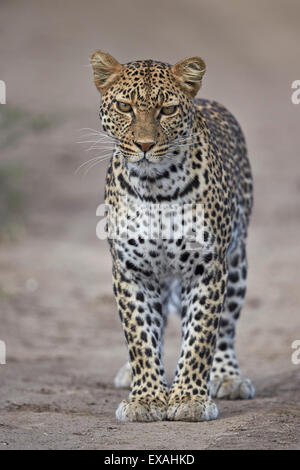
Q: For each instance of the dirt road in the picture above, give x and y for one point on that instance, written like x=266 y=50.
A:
x=57 y=313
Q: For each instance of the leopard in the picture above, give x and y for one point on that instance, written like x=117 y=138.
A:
x=174 y=150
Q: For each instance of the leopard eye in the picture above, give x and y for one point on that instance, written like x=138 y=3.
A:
x=124 y=107
x=169 y=110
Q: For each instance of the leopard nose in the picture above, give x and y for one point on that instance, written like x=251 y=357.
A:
x=144 y=146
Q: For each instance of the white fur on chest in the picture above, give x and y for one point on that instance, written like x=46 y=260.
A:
x=160 y=240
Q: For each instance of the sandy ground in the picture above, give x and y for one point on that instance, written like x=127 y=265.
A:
x=57 y=313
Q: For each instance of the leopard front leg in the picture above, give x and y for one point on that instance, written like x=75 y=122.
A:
x=227 y=381
x=202 y=302
x=141 y=316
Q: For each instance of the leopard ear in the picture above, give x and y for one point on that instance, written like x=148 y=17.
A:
x=189 y=73
x=106 y=69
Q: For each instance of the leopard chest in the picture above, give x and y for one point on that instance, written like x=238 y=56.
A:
x=160 y=240
x=160 y=259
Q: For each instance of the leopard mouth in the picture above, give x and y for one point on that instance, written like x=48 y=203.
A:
x=144 y=158
x=158 y=156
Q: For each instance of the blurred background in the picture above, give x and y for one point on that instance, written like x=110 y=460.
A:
x=57 y=313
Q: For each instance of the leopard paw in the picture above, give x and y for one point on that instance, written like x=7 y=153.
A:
x=141 y=410
x=193 y=410
x=123 y=377
x=232 y=388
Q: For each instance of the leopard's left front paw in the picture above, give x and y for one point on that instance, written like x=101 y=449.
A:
x=192 y=409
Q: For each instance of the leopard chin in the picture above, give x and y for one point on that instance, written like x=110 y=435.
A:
x=148 y=167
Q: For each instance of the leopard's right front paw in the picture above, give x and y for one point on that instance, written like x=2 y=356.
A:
x=189 y=409
x=142 y=409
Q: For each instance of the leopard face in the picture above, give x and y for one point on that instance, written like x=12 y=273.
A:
x=147 y=106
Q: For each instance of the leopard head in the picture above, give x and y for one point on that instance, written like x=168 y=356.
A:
x=147 y=106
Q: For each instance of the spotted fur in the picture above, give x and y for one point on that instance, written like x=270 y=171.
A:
x=196 y=155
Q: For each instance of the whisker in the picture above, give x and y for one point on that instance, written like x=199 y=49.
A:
x=102 y=139
x=96 y=163
x=99 y=148
x=95 y=131
x=92 y=160
x=98 y=141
